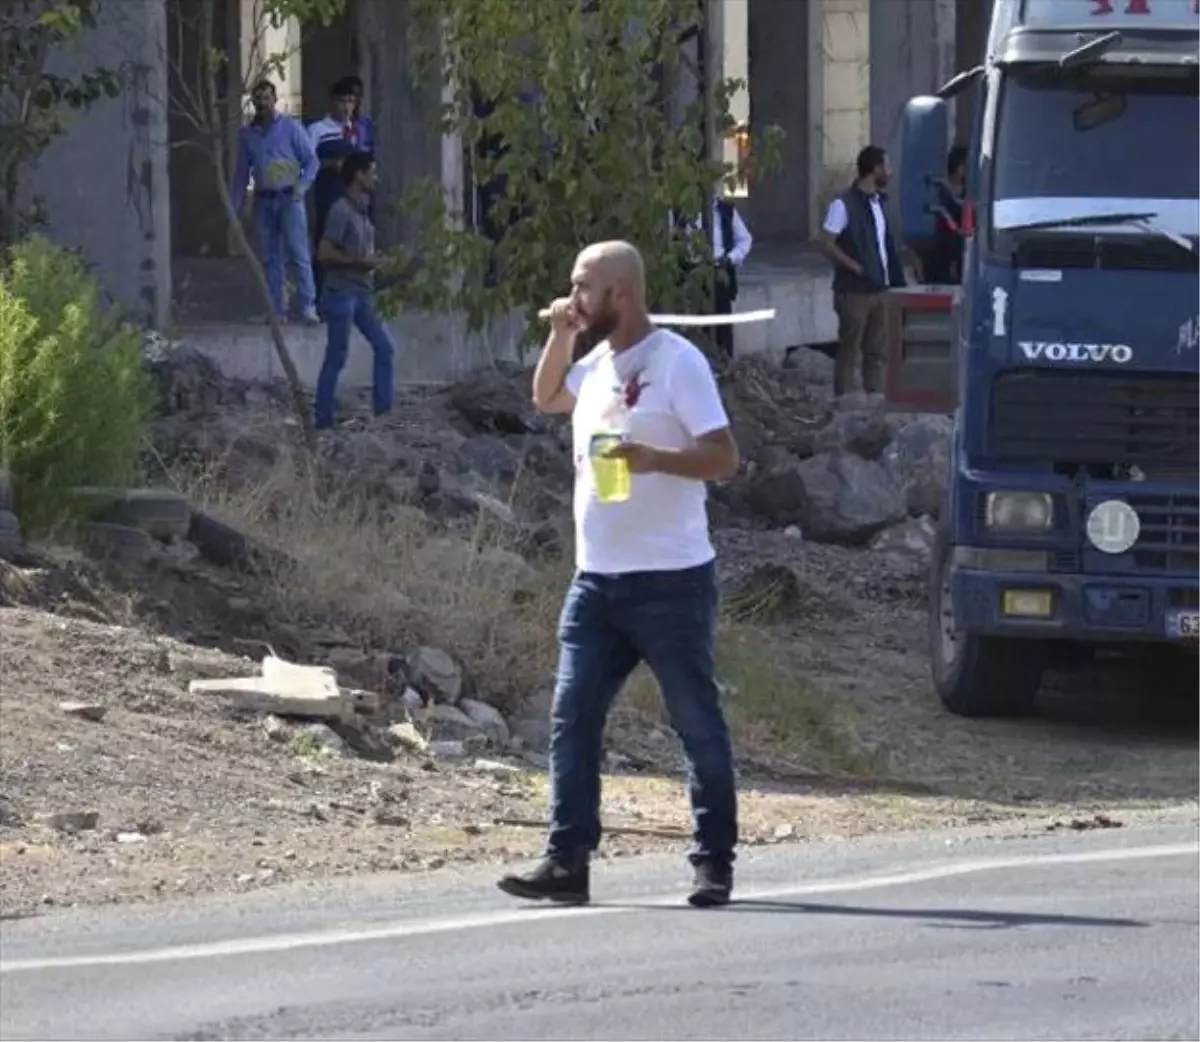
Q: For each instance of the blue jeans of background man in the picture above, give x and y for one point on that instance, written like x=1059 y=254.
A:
x=609 y=624
x=344 y=309
x=283 y=228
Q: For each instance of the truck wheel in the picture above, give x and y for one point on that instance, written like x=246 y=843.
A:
x=974 y=675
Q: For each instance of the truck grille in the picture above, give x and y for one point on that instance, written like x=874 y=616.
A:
x=1170 y=537
x=1093 y=421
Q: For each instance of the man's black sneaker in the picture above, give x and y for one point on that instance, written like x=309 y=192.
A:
x=550 y=881
x=713 y=886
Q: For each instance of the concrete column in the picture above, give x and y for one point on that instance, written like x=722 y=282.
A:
x=328 y=53
x=104 y=183
x=912 y=52
x=777 y=33
x=199 y=227
x=846 y=47
x=405 y=114
x=970 y=32
x=735 y=64
x=261 y=42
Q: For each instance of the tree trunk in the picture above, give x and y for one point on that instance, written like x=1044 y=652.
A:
x=214 y=128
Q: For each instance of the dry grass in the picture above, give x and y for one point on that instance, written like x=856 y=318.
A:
x=770 y=706
x=393 y=578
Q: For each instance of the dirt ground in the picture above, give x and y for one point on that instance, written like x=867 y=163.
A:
x=189 y=799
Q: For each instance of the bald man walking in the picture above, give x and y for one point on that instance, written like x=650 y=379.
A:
x=645 y=588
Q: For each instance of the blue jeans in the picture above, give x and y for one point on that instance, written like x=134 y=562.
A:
x=343 y=309
x=609 y=624
x=283 y=227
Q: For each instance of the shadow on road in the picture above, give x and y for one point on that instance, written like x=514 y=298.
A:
x=946 y=918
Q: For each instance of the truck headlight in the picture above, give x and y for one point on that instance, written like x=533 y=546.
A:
x=1019 y=512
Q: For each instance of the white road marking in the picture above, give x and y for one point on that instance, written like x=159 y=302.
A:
x=526 y=915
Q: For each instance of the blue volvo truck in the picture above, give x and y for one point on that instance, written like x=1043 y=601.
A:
x=1070 y=525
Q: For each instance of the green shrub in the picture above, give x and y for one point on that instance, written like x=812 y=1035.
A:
x=74 y=397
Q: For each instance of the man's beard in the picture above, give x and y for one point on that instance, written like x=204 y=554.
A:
x=605 y=321
x=602 y=326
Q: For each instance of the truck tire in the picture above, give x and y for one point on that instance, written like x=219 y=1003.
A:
x=158 y=512
x=974 y=675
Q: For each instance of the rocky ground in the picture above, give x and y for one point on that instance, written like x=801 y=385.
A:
x=423 y=563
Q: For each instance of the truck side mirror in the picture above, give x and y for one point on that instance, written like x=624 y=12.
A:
x=925 y=137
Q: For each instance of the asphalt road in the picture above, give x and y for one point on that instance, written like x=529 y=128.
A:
x=967 y=935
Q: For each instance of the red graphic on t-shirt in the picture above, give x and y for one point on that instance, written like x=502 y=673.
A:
x=632 y=391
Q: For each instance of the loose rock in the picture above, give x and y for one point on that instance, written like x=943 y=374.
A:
x=835 y=497
x=408 y=737
x=918 y=460
x=436 y=673
x=70 y=821
x=84 y=710
x=488 y=719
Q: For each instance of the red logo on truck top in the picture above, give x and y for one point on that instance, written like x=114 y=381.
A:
x=1131 y=6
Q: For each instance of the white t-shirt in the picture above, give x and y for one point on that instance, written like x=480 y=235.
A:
x=663 y=391
x=836 y=219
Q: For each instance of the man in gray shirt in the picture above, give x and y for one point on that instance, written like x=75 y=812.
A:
x=347 y=252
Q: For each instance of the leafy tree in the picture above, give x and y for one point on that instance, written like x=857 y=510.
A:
x=210 y=99
x=571 y=116
x=35 y=103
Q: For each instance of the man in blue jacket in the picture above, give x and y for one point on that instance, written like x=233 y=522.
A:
x=276 y=149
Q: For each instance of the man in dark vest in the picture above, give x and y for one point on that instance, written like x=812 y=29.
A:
x=731 y=247
x=859 y=244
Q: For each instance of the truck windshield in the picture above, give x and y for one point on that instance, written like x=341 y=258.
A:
x=1098 y=134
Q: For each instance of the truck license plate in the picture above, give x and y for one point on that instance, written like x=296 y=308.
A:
x=1183 y=624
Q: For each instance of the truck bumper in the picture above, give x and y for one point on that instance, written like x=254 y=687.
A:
x=1086 y=608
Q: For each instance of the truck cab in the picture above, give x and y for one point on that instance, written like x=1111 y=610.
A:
x=1070 y=348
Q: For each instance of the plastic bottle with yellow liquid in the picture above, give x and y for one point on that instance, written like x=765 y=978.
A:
x=610 y=476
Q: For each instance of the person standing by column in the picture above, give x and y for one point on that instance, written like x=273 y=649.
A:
x=942 y=263
x=347 y=251
x=646 y=586
x=858 y=243
x=277 y=150
x=333 y=138
x=730 y=247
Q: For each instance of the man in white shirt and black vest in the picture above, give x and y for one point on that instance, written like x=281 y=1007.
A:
x=645 y=589
x=731 y=243
x=859 y=243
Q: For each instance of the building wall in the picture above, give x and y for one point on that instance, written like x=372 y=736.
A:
x=105 y=182
x=846 y=55
x=781 y=93
x=199 y=226
x=912 y=52
x=405 y=114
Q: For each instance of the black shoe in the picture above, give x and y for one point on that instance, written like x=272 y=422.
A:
x=713 y=886
x=550 y=881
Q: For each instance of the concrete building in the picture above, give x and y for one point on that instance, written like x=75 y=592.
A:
x=130 y=185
